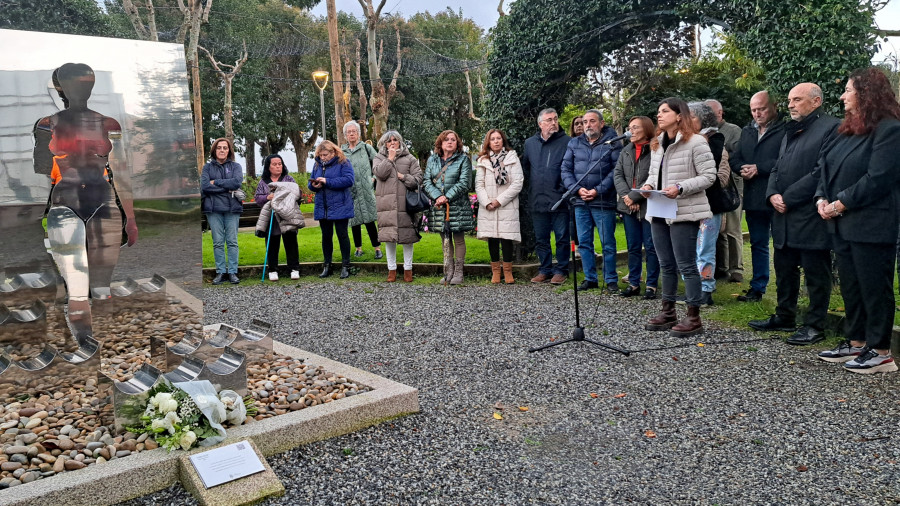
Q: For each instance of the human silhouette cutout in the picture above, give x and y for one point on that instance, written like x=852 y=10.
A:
x=84 y=220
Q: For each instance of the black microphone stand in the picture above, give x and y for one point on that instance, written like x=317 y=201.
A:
x=578 y=332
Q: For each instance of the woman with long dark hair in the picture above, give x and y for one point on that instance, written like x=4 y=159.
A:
x=859 y=197
x=275 y=172
x=498 y=181
x=681 y=167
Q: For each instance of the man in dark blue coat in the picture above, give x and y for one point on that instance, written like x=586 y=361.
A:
x=541 y=160
x=595 y=197
x=800 y=235
x=753 y=160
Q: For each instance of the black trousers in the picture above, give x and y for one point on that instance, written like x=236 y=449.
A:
x=290 y=251
x=373 y=234
x=494 y=245
x=329 y=228
x=816 y=266
x=867 y=285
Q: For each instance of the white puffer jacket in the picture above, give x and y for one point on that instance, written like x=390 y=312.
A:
x=286 y=209
x=689 y=164
x=502 y=223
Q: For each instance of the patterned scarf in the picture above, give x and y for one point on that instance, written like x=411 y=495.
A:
x=500 y=174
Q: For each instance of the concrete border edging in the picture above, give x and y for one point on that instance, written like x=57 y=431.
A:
x=148 y=471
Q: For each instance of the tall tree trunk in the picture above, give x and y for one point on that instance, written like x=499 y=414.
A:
x=199 y=15
x=363 y=101
x=336 y=74
x=250 y=156
x=302 y=148
x=377 y=99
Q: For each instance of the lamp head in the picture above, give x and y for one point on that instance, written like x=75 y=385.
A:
x=320 y=77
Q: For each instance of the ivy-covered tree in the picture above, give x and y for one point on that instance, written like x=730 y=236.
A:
x=541 y=49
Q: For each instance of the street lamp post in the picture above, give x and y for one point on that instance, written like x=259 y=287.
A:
x=320 y=77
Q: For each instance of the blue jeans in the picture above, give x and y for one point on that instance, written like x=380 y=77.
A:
x=224 y=227
x=586 y=218
x=706 y=251
x=637 y=235
x=759 y=224
x=558 y=223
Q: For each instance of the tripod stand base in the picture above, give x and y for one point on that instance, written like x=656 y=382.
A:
x=578 y=335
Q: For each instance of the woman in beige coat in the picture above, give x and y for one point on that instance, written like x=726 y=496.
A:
x=396 y=171
x=682 y=168
x=498 y=181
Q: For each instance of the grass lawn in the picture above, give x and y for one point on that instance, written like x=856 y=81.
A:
x=428 y=250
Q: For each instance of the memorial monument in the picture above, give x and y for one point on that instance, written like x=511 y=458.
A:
x=97 y=151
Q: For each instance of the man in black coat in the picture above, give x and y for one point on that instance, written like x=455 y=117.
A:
x=541 y=161
x=753 y=160
x=799 y=234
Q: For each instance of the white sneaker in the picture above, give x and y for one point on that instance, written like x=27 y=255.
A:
x=273 y=276
x=295 y=274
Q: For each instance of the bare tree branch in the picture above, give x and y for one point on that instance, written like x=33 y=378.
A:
x=135 y=17
x=500 y=9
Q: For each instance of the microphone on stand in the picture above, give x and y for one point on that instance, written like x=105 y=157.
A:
x=626 y=135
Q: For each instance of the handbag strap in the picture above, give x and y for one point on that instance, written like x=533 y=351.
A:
x=440 y=174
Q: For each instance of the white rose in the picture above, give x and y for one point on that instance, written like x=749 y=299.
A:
x=160 y=423
x=167 y=405
x=162 y=396
x=187 y=439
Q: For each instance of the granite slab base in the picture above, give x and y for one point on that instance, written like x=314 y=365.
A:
x=148 y=471
x=248 y=490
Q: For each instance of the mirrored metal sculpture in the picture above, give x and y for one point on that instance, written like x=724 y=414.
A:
x=94 y=141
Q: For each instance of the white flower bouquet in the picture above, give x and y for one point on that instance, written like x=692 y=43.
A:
x=184 y=415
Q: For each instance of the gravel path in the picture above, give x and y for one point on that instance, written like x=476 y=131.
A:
x=748 y=421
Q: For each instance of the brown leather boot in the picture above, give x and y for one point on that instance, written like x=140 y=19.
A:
x=666 y=318
x=407 y=275
x=690 y=325
x=392 y=276
x=495 y=273
x=507 y=273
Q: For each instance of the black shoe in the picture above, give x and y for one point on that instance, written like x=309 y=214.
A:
x=751 y=296
x=650 y=293
x=233 y=279
x=345 y=271
x=326 y=271
x=631 y=291
x=378 y=255
x=806 y=335
x=587 y=285
x=706 y=299
x=612 y=288
x=774 y=322
x=218 y=279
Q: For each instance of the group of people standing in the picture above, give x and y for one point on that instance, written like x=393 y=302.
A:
x=814 y=184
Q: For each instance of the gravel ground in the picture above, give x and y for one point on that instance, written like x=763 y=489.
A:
x=742 y=419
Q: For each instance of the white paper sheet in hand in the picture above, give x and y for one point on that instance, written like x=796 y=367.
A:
x=660 y=206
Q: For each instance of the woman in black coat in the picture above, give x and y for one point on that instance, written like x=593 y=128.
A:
x=859 y=197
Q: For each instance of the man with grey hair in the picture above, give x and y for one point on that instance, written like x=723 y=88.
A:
x=753 y=160
x=593 y=155
x=799 y=234
x=541 y=160
x=730 y=243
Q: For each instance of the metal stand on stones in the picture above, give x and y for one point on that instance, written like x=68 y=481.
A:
x=578 y=332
